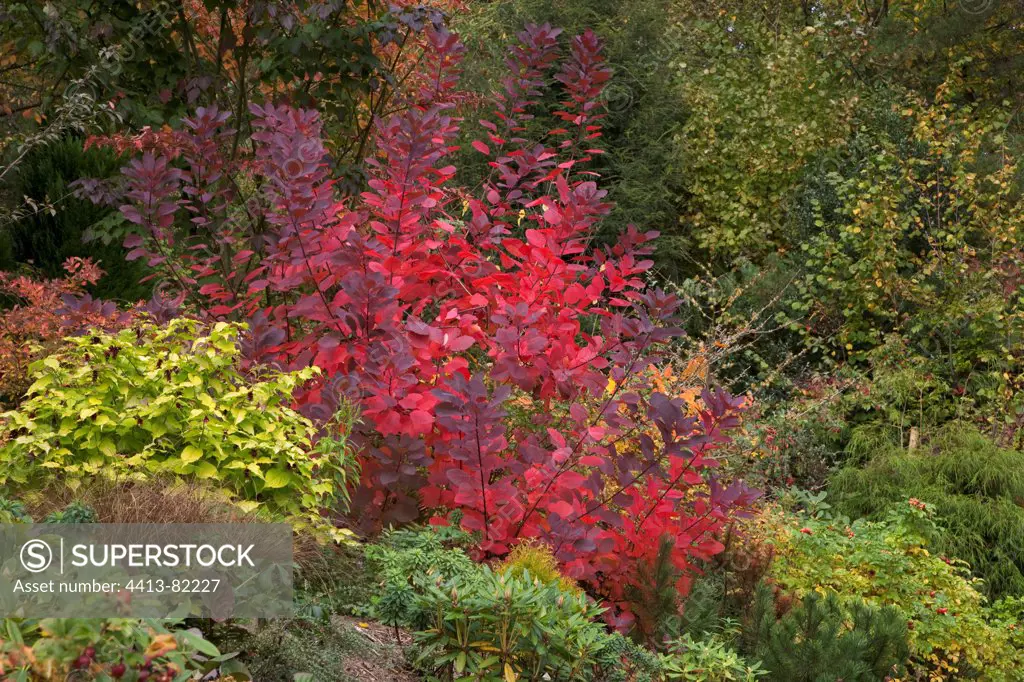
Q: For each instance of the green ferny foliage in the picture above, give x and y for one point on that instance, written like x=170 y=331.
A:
x=158 y=401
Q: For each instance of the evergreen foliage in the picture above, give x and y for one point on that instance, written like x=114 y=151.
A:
x=656 y=596
x=823 y=640
x=47 y=239
x=975 y=486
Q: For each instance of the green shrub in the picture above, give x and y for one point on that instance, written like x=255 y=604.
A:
x=976 y=489
x=707 y=660
x=826 y=639
x=740 y=177
x=173 y=400
x=405 y=563
x=76 y=512
x=952 y=633
x=472 y=620
x=504 y=627
x=13 y=511
x=655 y=597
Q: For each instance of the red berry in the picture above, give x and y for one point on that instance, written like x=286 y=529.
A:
x=143 y=676
x=117 y=670
x=942 y=612
x=83 y=661
x=90 y=651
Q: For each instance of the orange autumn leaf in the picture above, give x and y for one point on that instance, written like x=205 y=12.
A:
x=161 y=646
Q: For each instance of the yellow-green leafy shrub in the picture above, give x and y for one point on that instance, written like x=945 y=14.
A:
x=953 y=634
x=157 y=401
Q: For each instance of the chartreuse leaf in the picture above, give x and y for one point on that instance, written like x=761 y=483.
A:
x=190 y=454
x=151 y=401
x=277 y=478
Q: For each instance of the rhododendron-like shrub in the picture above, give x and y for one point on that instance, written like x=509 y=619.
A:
x=436 y=308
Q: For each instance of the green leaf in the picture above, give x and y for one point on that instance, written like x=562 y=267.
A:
x=206 y=470
x=277 y=478
x=108 y=447
x=198 y=643
x=190 y=454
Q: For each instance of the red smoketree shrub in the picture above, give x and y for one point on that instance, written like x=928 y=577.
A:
x=439 y=309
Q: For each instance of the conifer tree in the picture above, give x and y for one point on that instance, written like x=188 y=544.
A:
x=823 y=640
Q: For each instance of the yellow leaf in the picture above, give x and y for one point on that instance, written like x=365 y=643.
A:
x=277 y=478
x=190 y=454
x=248 y=506
x=206 y=470
x=161 y=646
x=107 y=447
x=510 y=674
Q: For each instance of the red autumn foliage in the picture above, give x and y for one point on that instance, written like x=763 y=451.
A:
x=438 y=309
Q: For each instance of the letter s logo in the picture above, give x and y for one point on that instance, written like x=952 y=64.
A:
x=36 y=556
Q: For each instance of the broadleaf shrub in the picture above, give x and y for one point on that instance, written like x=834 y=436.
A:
x=151 y=401
x=432 y=307
x=405 y=562
x=951 y=631
x=500 y=626
x=707 y=660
